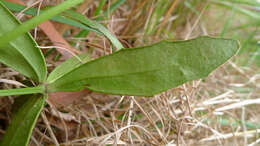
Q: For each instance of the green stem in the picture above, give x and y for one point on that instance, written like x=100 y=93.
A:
x=22 y=91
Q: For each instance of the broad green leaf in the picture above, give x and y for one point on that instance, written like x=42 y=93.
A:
x=149 y=70
x=21 y=53
x=67 y=66
x=22 y=91
x=23 y=122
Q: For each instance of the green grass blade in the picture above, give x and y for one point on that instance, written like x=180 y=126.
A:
x=227 y=24
x=227 y=122
x=22 y=91
x=149 y=70
x=23 y=122
x=161 y=8
x=113 y=7
x=238 y=9
x=100 y=6
x=224 y=121
x=25 y=27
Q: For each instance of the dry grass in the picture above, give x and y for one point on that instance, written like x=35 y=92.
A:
x=201 y=112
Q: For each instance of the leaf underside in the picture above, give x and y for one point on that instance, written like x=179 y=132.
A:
x=21 y=53
x=23 y=122
x=149 y=70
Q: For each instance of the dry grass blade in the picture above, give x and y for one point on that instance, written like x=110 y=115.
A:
x=239 y=104
x=12 y=82
x=49 y=129
x=251 y=133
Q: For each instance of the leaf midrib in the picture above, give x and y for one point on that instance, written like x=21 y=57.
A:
x=132 y=73
x=25 y=117
x=26 y=59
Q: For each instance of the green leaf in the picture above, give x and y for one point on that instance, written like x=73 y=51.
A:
x=94 y=25
x=34 y=12
x=25 y=27
x=74 y=19
x=149 y=70
x=22 y=91
x=68 y=66
x=23 y=122
x=21 y=53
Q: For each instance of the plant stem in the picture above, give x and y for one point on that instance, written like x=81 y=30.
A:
x=22 y=91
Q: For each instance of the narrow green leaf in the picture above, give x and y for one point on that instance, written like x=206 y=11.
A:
x=84 y=20
x=76 y=20
x=149 y=70
x=74 y=23
x=33 y=12
x=67 y=66
x=22 y=91
x=21 y=53
x=23 y=122
x=18 y=8
x=25 y=27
